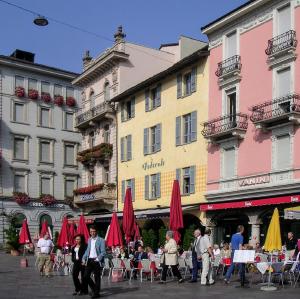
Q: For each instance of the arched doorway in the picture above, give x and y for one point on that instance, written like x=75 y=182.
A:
x=46 y=217
x=100 y=226
x=190 y=223
x=18 y=220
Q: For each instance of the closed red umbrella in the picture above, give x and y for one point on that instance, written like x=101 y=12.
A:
x=176 y=218
x=82 y=228
x=128 y=216
x=114 y=236
x=24 y=237
x=44 y=229
x=63 y=238
x=137 y=234
x=72 y=233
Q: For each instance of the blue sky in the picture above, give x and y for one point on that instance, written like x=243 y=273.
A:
x=147 y=22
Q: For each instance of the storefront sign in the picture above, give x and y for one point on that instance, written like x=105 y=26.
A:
x=264 y=179
x=151 y=164
x=40 y=205
x=87 y=197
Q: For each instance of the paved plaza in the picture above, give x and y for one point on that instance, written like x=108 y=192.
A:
x=17 y=282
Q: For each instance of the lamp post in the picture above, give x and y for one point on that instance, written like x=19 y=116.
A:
x=40 y=21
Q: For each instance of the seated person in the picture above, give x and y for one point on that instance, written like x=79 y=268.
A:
x=139 y=255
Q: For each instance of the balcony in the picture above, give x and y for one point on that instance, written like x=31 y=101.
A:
x=280 y=111
x=229 y=70
x=103 y=196
x=89 y=117
x=225 y=127
x=282 y=48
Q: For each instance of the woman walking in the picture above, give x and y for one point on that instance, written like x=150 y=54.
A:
x=170 y=258
x=77 y=252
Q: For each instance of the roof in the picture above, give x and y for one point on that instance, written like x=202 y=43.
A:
x=174 y=68
x=168 y=45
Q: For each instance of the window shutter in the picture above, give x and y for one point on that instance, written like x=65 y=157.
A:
x=122 y=112
x=129 y=146
x=123 y=191
x=147 y=100
x=146 y=141
x=133 y=189
x=158 y=138
x=158 y=185
x=178 y=130
x=132 y=107
x=178 y=175
x=158 y=98
x=179 y=86
x=194 y=126
x=122 y=149
x=192 y=179
x=194 y=79
x=147 y=187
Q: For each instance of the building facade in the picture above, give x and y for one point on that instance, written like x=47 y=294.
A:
x=253 y=125
x=103 y=78
x=159 y=138
x=39 y=142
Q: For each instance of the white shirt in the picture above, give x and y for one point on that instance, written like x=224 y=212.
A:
x=216 y=251
x=45 y=245
x=93 y=252
x=205 y=244
x=76 y=249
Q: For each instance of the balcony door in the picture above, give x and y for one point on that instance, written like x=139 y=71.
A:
x=284 y=19
x=231 y=107
x=231 y=45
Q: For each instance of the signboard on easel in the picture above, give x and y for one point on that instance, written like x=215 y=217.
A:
x=244 y=256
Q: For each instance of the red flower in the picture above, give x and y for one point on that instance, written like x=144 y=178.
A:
x=58 y=100
x=46 y=97
x=21 y=198
x=33 y=94
x=70 y=101
x=47 y=199
x=89 y=189
x=20 y=91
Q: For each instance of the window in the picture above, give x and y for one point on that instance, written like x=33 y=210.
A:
x=229 y=162
x=187 y=83
x=19 y=81
x=46 y=185
x=58 y=91
x=231 y=45
x=186 y=179
x=231 y=106
x=106 y=91
x=46 y=151
x=283 y=152
x=128 y=184
x=186 y=128
x=69 y=121
x=283 y=82
x=152 y=139
x=70 y=154
x=92 y=98
x=70 y=92
x=19 y=112
x=106 y=174
x=69 y=186
x=106 y=134
x=152 y=186
x=19 y=148
x=126 y=148
x=92 y=139
x=45 y=87
x=32 y=84
x=153 y=98
x=128 y=109
x=45 y=117
x=91 y=177
x=19 y=183
x=284 y=19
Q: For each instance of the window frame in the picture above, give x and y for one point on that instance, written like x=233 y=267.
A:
x=39 y=118
x=13 y=112
x=51 y=150
x=65 y=121
x=46 y=175
x=72 y=178
x=25 y=139
x=21 y=172
x=75 y=147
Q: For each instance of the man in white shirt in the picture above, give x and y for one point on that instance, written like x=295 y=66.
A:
x=45 y=246
x=196 y=255
x=207 y=254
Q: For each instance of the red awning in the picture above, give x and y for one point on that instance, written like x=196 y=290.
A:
x=250 y=203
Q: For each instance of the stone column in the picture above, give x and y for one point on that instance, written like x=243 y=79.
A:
x=255 y=228
x=209 y=223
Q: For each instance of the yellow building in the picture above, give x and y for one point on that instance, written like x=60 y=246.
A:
x=159 y=139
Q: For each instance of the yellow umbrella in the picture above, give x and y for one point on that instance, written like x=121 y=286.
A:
x=273 y=239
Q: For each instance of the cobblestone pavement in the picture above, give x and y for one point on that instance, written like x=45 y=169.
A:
x=17 y=282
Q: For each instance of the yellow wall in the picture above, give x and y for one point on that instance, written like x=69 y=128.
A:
x=174 y=157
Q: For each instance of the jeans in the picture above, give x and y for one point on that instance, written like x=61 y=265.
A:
x=196 y=266
x=241 y=268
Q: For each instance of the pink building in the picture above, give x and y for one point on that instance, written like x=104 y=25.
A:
x=254 y=115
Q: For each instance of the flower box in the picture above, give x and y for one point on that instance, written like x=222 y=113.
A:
x=101 y=153
x=46 y=97
x=20 y=91
x=58 y=100
x=89 y=189
x=70 y=101
x=33 y=94
x=47 y=199
x=21 y=198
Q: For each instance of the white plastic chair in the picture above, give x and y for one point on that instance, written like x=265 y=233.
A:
x=182 y=266
x=106 y=267
x=128 y=268
x=189 y=264
x=146 y=269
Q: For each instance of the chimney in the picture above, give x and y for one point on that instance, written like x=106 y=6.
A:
x=119 y=35
x=86 y=59
x=23 y=55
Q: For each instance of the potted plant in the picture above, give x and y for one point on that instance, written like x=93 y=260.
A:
x=45 y=96
x=20 y=91
x=70 y=101
x=47 y=199
x=58 y=100
x=12 y=236
x=21 y=198
x=33 y=94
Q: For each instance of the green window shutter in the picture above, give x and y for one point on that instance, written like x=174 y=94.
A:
x=192 y=179
x=123 y=191
x=158 y=138
x=122 y=149
x=194 y=79
x=178 y=130
x=132 y=107
x=122 y=111
x=129 y=148
x=178 y=177
x=158 y=98
x=194 y=126
x=133 y=189
x=158 y=185
x=146 y=141
x=147 y=100
x=147 y=187
x=179 y=86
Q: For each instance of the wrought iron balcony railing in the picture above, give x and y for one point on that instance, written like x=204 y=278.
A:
x=276 y=109
x=225 y=124
x=229 y=65
x=282 y=42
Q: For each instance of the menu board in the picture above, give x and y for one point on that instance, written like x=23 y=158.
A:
x=244 y=256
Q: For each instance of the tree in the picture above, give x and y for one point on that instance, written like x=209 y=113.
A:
x=152 y=239
x=162 y=236
x=11 y=234
x=188 y=237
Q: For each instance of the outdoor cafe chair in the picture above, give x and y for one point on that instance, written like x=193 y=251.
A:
x=189 y=264
x=216 y=263
x=277 y=271
x=106 y=267
x=157 y=265
x=117 y=264
x=129 y=268
x=182 y=266
x=146 y=268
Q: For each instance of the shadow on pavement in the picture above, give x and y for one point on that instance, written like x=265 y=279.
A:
x=117 y=290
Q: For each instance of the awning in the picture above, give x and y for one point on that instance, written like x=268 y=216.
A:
x=292 y=213
x=250 y=203
x=88 y=219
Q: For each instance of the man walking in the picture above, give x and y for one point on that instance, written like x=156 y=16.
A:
x=93 y=258
x=196 y=255
x=207 y=254
x=237 y=241
x=45 y=246
x=290 y=244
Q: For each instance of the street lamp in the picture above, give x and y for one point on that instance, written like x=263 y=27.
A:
x=40 y=21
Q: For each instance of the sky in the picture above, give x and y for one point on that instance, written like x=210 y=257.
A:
x=146 y=22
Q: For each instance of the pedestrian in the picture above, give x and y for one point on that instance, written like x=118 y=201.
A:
x=78 y=268
x=237 y=241
x=196 y=255
x=169 y=258
x=93 y=258
x=290 y=244
x=207 y=255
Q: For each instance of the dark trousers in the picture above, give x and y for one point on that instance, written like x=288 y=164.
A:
x=78 y=268
x=92 y=266
x=196 y=266
x=241 y=267
x=175 y=272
